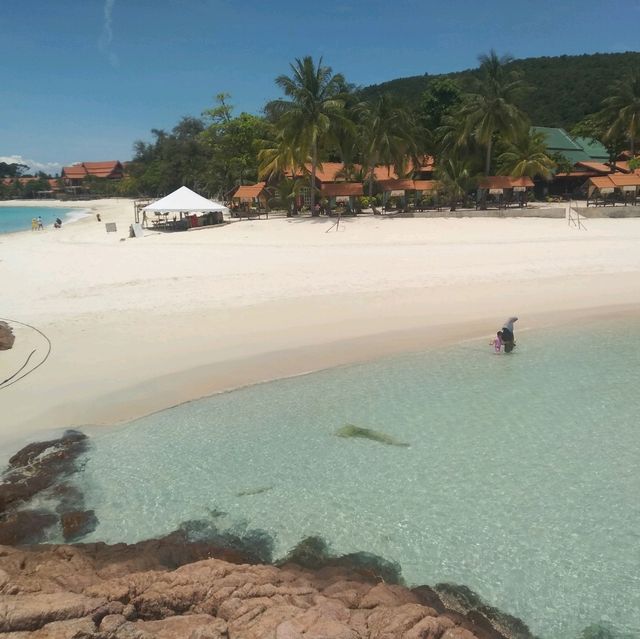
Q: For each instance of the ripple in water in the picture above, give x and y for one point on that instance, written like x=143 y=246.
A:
x=520 y=479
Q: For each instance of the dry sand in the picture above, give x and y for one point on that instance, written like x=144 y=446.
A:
x=137 y=325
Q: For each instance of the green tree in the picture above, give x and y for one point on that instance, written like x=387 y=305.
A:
x=456 y=177
x=491 y=110
x=387 y=135
x=285 y=194
x=622 y=109
x=442 y=97
x=307 y=121
x=527 y=156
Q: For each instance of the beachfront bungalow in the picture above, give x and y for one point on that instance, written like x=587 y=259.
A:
x=338 y=172
x=421 y=193
x=342 y=193
x=247 y=198
x=615 y=188
x=504 y=190
x=74 y=175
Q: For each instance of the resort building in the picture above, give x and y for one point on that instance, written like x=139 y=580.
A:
x=74 y=175
x=245 y=197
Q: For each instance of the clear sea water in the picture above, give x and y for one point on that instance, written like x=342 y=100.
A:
x=18 y=218
x=521 y=480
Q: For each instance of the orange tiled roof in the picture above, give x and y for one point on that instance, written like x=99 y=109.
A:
x=102 y=169
x=74 y=172
x=602 y=182
x=397 y=185
x=504 y=182
x=595 y=166
x=249 y=192
x=425 y=185
x=334 y=189
x=625 y=180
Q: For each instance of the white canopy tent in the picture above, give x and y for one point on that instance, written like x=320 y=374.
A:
x=184 y=200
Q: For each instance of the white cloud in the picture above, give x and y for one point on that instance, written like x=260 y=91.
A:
x=34 y=167
x=106 y=38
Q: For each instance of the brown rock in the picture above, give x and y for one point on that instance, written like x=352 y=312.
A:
x=72 y=629
x=25 y=527
x=189 y=627
x=110 y=623
x=7 y=338
x=31 y=612
x=384 y=595
x=429 y=628
x=77 y=523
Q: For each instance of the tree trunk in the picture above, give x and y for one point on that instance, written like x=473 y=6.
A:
x=632 y=145
x=314 y=162
x=487 y=171
x=371 y=183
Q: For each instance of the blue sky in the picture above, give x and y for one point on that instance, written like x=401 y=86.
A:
x=83 y=79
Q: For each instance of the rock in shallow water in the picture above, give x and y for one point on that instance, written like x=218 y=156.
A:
x=76 y=524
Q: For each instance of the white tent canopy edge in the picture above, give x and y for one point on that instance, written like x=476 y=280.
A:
x=184 y=200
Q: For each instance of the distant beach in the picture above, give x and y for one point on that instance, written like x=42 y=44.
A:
x=16 y=217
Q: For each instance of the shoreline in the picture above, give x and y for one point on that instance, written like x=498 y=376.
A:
x=74 y=213
x=140 y=325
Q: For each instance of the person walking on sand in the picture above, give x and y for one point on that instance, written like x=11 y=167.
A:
x=40 y=225
x=508 y=339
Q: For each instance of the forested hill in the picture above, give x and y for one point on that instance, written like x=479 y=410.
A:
x=564 y=88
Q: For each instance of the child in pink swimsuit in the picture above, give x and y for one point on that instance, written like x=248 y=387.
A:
x=497 y=342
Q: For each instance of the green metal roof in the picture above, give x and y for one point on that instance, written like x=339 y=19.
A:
x=595 y=149
x=574 y=149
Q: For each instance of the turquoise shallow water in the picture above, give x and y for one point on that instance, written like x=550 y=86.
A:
x=521 y=480
x=18 y=218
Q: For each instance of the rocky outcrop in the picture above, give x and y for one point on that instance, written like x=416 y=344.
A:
x=7 y=338
x=38 y=470
x=137 y=592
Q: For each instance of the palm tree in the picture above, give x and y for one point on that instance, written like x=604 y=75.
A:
x=285 y=194
x=308 y=119
x=456 y=179
x=527 y=156
x=623 y=110
x=491 y=110
x=387 y=134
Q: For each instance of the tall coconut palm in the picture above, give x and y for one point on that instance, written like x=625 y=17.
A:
x=622 y=109
x=456 y=178
x=387 y=134
x=285 y=194
x=527 y=156
x=308 y=119
x=491 y=110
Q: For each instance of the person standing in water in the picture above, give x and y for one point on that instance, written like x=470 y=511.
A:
x=508 y=338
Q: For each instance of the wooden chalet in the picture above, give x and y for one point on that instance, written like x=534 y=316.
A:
x=504 y=190
x=612 y=189
x=246 y=196
x=74 y=175
x=342 y=193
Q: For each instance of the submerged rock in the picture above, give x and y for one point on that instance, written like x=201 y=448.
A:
x=35 y=470
x=254 y=491
x=78 y=523
x=313 y=553
x=367 y=433
x=25 y=526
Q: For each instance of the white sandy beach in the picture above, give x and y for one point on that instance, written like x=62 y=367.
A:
x=137 y=325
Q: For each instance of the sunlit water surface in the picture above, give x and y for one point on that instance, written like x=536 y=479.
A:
x=521 y=480
x=18 y=218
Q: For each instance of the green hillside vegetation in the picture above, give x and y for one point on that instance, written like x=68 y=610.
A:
x=564 y=89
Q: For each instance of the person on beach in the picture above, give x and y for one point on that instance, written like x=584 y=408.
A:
x=508 y=338
x=497 y=342
x=145 y=222
x=34 y=224
x=58 y=223
x=40 y=225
